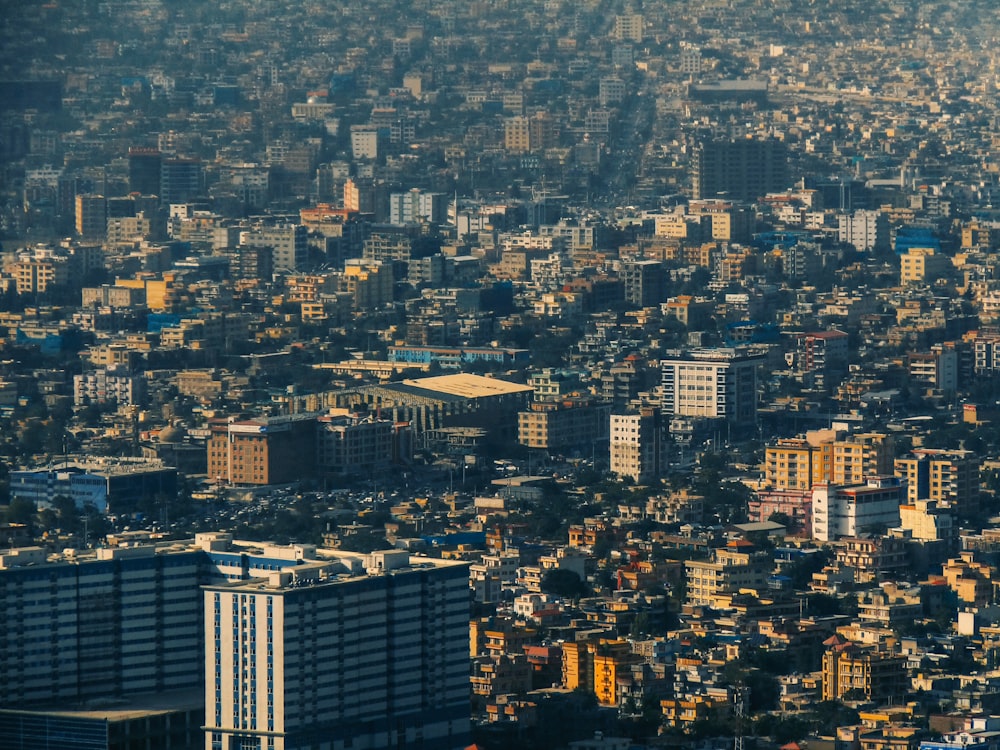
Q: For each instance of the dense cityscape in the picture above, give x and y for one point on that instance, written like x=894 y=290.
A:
x=504 y=374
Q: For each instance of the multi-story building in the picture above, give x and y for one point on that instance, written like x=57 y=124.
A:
x=574 y=422
x=97 y=482
x=368 y=282
x=711 y=383
x=822 y=356
x=351 y=443
x=347 y=651
x=180 y=180
x=864 y=672
x=91 y=217
x=40 y=269
x=871 y=558
x=743 y=169
x=948 y=476
x=839 y=510
x=922 y=265
x=417 y=206
x=638 y=445
x=827 y=456
x=116 y=384
x=262 y=451
x=866 y=230
x=644 y=281
x=629 y=28
x=730 y=570
x=288 y=243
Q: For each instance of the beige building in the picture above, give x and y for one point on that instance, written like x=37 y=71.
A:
x=827 y=456
x=727 y=573
x=921 y=265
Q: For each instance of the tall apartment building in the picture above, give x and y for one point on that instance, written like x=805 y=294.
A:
x=822 y=356
x=116 y=384
x=827 y=456
x=645 y=282
x=638 y=445
x=948 y=476
x=416 y=205
x=730 y=570
x=283 y=648
x=866 y=230
x=180 y=180
x=711 y=383
x=743 y=169
x=345 y=652
x=923 y=265
x=91 y=217
x=875 y=674
x=629 y=28
x=288 y=243
x=144 y=166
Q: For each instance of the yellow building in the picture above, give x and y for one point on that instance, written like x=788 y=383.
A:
x=921 y=265
x=949 y=476
x=731 y=571
x=868 y=673
x=972 y=581
x=827 y=456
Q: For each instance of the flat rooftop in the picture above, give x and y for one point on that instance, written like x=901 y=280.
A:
x=467 y=385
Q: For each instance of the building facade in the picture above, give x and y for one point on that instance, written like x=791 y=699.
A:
x=711 y=383
x=347 y=652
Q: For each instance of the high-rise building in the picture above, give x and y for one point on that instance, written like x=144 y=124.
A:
x=948 y=476
x=91 y=217
x=744 y=169
x=866 y=230
x=144 y=166
x=180 y=180
x=637 y=445
x=348 y=651
x=283 y=647
x=645 y=282
x=711 y=383
x=288 y=242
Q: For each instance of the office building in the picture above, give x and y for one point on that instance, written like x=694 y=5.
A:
x=572 y=423
x=91 y=217
x=180 y=180
x=99 y=482
x=415 y=206
x=743 y=169
x=263 y=451
x=711 y=383
x=144 y=170
x=350 y=443
x=348 y=651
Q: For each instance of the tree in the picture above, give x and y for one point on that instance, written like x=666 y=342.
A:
x=564 y=583
x=20 y=511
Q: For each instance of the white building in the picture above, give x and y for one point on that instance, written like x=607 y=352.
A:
x=711 y=383
x=850 y=510
x=288 y=242
x=866 y=230
x=637 y=445
x=115 y=384
x=350 y=651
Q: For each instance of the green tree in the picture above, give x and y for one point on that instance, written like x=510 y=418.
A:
x=564 y=583
x=20 y=511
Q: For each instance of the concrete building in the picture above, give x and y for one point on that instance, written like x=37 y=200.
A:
x=839 y=510
x=948 y=476
x=262 y=451
x=563 y=425
x=827 y=455
x=922 y=265
x=866 y=230
x=638 y=445
x=91 y=217
x=347 y=651
x=353 y=444
x=868 y=672
x=743 y=169
x=116 y=384
x=730 y=570
x=102 y=483
x=711 y=383
x=645 y=282
x=288 y=243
